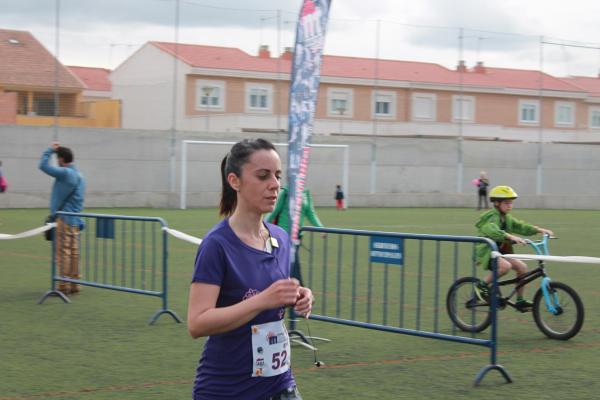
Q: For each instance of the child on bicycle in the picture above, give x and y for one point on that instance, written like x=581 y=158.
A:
x=498 y=225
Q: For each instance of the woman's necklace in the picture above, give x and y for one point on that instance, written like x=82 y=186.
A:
x=263 y=236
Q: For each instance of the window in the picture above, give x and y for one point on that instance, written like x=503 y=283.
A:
x=564 y=114
x=339 y=102
x=384 y=104
x=259 y=97
x=210 y=95
x=529 y=111
x=595 y=117
x=424 y=107
x=463 y=108
x=339 y=105
x=43 y=104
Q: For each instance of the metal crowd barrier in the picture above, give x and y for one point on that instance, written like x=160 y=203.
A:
x=392 y=282
x=123 y=253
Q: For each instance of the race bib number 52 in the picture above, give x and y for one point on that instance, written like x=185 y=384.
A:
x=270 y=349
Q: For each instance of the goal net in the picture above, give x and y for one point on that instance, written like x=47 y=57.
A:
x=201 y=160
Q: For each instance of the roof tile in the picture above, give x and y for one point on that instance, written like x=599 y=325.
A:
x=589 y=84
x=365 y=68
x=93 y=78
x=25 y=62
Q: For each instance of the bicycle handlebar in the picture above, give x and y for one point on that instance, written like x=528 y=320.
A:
x=541 y=246
x=544 y=239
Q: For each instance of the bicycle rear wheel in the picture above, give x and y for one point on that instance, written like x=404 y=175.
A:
x=465 y=310
x=567 y=318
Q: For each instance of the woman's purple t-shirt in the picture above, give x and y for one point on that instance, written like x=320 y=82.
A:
x=226 y=365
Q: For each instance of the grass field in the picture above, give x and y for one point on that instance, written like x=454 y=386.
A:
x=101 y=347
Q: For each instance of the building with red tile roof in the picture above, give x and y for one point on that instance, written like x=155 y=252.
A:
x=29 y=70
x=32 y=80
x=222 y=89
x=25 y=62
x=590 y=84
x=96 y=81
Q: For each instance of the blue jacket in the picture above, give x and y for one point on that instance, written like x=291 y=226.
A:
x=66 y=179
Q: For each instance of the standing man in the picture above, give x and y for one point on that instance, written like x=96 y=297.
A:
x=482 y=192
x=67 y=195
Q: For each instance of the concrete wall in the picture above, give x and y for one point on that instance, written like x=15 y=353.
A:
x=127 y=168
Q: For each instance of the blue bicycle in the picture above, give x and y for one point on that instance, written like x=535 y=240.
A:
x=557 y=308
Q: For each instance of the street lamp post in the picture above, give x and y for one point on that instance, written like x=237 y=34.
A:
x=207 y=91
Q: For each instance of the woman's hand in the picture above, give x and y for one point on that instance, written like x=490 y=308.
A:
x=283 y=292
x=304 y=302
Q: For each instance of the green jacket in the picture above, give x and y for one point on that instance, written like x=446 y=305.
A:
x=281 y=211
x=489 y=225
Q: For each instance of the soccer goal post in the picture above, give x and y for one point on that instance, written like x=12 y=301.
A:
x=184 y=165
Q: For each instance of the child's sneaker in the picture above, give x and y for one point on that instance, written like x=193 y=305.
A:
x=482 y=291
x=523 y=305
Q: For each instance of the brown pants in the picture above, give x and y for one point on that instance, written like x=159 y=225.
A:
x=66 y=255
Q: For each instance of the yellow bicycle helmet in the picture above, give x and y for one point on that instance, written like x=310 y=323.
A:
x=499 y=193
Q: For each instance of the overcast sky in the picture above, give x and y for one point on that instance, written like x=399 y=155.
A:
x=501 y=33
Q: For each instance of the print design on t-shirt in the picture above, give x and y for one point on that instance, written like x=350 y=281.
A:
x=250 y=293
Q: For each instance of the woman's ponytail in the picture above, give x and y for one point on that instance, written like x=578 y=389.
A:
x=228 y=195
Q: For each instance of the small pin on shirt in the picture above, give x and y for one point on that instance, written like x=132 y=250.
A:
x=274 y=242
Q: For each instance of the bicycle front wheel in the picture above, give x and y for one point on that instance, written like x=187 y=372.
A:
x=563 y=317
x=464 y=309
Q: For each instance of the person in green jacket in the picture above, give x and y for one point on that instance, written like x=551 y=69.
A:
x=280 y=216
x=498 y=225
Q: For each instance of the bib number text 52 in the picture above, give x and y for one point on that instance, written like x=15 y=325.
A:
x=279 y=359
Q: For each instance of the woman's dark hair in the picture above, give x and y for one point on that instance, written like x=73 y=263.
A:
x=233 y=162
x=65 y=153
